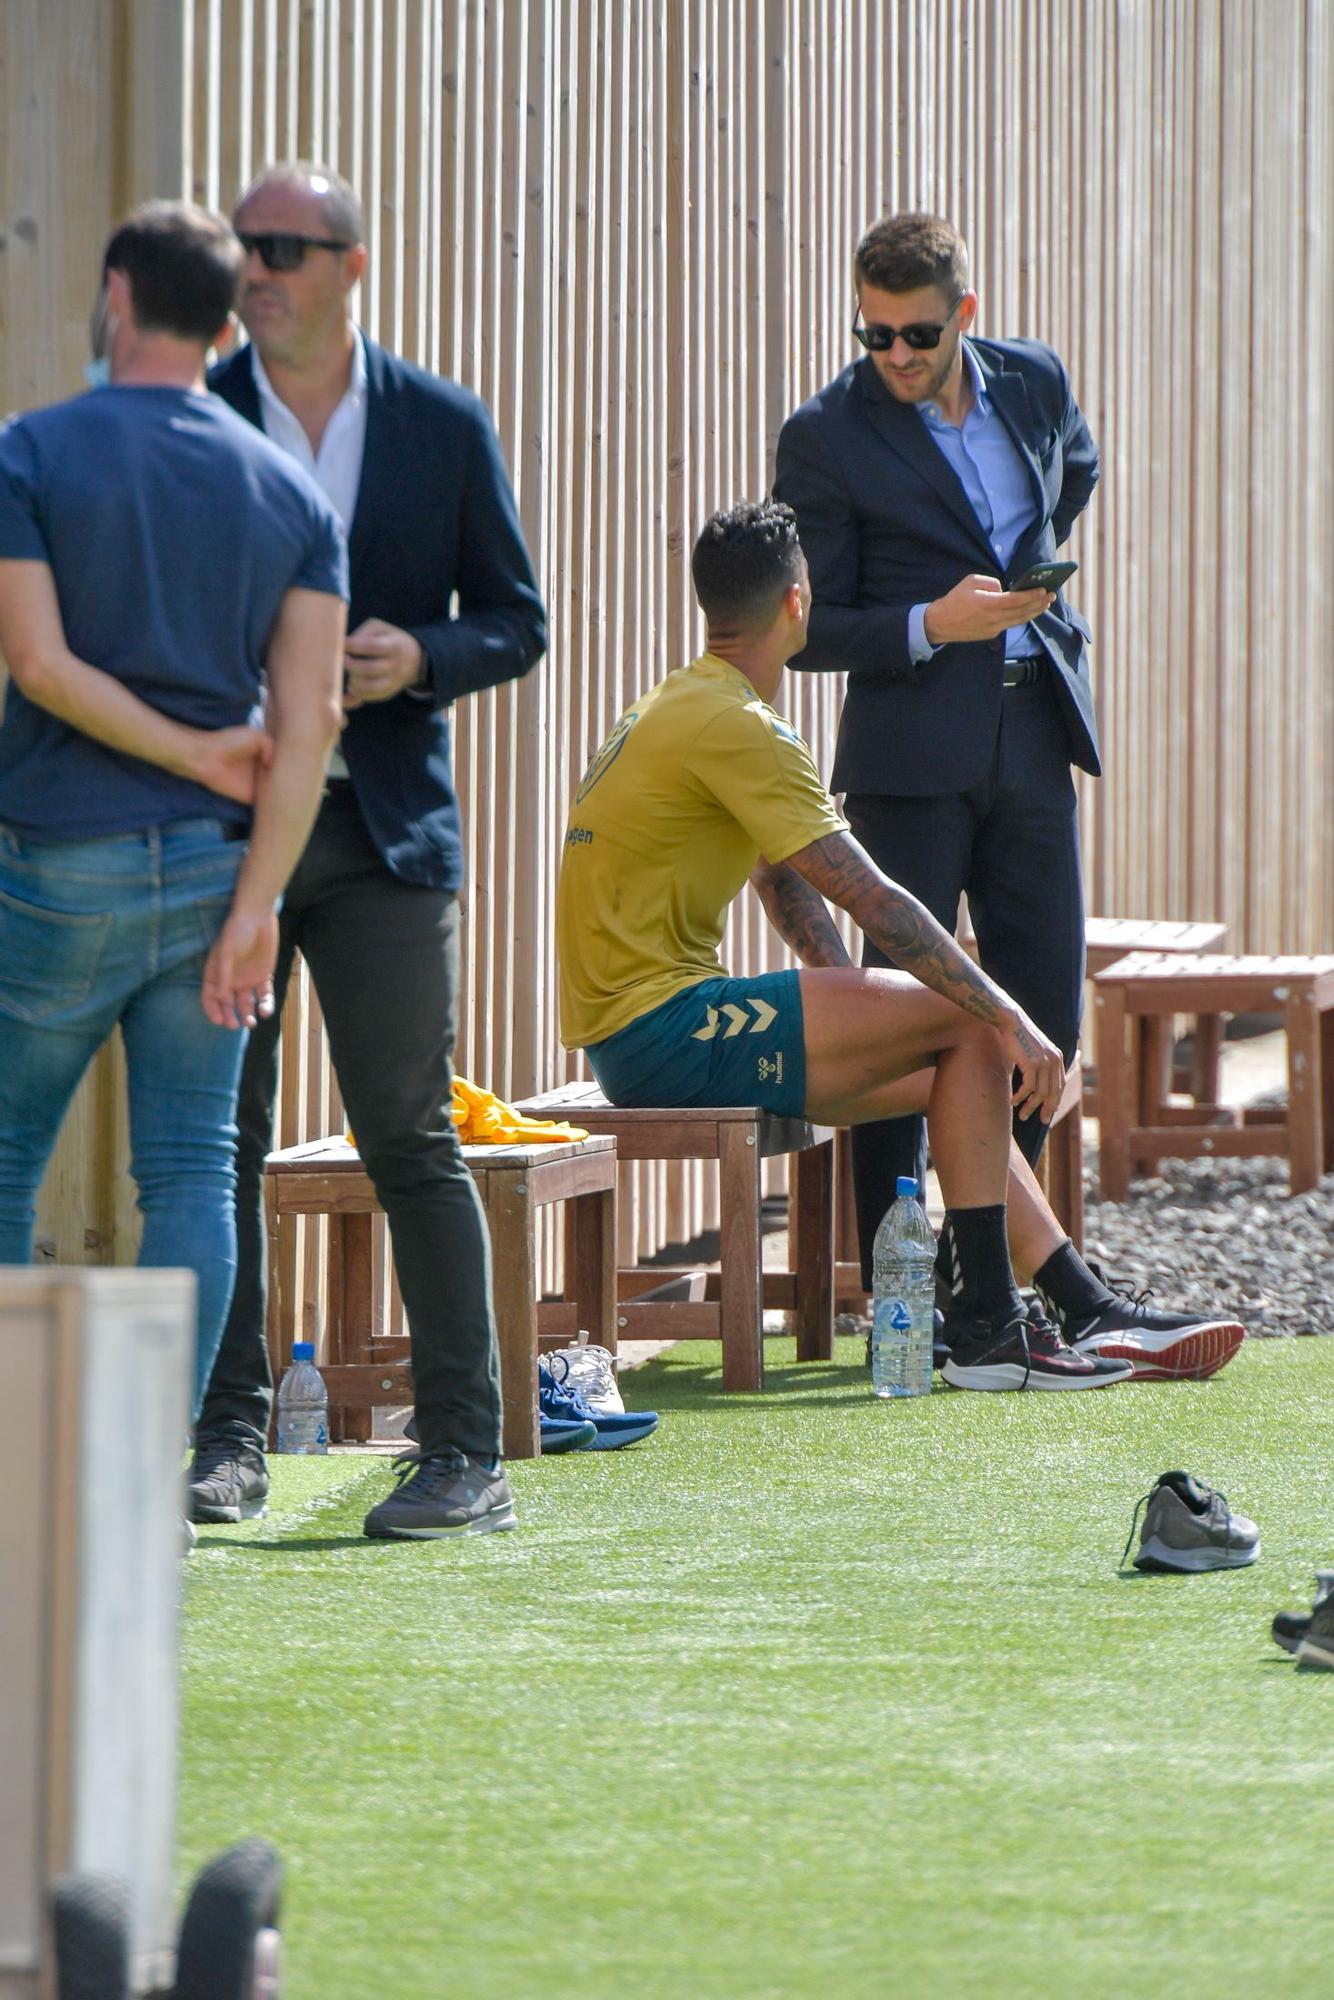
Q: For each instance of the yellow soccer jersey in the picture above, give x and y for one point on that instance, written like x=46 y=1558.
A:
x=697 y=780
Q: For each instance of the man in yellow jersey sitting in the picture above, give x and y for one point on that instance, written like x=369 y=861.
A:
x=700 y=786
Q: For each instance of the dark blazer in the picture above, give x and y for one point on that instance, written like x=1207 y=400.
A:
x=886 y=524
x=435 y=516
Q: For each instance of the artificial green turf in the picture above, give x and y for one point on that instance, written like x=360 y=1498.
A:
x=810 y=1694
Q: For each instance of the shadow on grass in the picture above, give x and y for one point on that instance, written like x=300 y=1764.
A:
x=286 y=1545
x=795 y=1386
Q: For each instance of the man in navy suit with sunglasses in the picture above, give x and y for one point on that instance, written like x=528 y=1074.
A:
x=444 y=604
x=928 y=479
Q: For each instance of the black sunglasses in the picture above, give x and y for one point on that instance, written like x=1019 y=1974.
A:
x=923 y=333
x=281 y=250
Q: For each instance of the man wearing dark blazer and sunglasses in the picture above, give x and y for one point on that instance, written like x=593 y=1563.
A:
x=444 y=604
x=927 y=480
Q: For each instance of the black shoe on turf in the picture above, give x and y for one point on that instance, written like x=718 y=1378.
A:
x=442 y=1493
x=1160 y=1346
x=1024 y=1351
x=1317 y=1643
x=1291 y=1627
x=228 y=1482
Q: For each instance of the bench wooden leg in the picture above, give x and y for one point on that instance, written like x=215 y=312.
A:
x=1151 y=1083
x=813 y=1251
x=590 y=1264
x=510 y=1215
x=354 y=1334
x=1305 y=1093
x=273 y=1302
x=1206 y=1065
x=740 y=1308
x=1113 y=1104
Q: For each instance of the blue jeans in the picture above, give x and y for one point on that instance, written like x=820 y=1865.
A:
x=115 y=931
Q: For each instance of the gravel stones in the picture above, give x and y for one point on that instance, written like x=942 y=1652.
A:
x=1209 y=1235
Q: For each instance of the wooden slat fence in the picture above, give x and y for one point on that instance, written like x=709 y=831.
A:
x=630 y=227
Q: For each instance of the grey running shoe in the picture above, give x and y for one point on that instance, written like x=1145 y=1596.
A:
x=1188 y=1527
x=228 y=1482
x=442 y=1493
x=1317 y=1648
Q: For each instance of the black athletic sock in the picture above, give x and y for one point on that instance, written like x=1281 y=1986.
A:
x=1066 y=1280
x=982 y=1280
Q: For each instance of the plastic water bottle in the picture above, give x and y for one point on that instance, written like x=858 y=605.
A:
x=903 y=1284
x=303 y=1404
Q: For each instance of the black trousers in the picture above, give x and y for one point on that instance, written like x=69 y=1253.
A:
x=384 y=957
x=1013 y=846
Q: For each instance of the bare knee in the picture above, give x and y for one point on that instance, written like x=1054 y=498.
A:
x=983 y=1043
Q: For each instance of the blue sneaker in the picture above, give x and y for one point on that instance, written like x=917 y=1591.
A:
x=560 y=1403
x=564 y=1432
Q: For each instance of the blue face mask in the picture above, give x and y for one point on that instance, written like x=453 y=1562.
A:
x=97 y=374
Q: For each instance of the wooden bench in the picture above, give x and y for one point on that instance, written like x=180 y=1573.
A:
x=739 y=1138
x=1060 y=1174
x=326 y=1177
x=1152 y=987
x=1107 y=939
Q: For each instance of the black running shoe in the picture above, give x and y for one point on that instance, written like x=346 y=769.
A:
x=1291 y=1627
x=1160 y=1346
x=228 y=1482
x=439 y=1494
x=1317 y=1644
x=1022 y=1352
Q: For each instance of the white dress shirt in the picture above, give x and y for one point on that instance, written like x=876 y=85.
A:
x=336 y=466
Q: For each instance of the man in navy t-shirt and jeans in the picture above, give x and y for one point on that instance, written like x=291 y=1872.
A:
x=160 y=563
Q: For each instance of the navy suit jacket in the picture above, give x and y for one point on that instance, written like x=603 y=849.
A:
x=885 y=524
x=435 y=516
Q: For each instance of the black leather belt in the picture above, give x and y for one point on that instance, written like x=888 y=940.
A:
x=1021 y=673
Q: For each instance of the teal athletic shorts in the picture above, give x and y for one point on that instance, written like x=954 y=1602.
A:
x=724 y=1041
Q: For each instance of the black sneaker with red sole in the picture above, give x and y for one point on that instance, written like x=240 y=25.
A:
x=1024 y=1351
x=1160 y=1346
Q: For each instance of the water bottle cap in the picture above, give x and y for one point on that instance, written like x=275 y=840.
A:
x=303 y=1350
x=907 y=1185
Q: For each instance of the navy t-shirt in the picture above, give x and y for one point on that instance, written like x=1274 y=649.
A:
x=173 y=530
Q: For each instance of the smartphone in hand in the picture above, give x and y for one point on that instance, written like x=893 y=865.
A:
x=1045 y=576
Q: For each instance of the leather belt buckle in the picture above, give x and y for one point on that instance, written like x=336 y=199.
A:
x=1020 y=673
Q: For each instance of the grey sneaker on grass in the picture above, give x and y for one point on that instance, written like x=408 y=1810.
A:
x=228 y=1482
x=1188 y=1527
x=442 y=1493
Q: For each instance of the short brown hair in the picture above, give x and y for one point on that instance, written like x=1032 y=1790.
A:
x=901 y=253
x=183 y=265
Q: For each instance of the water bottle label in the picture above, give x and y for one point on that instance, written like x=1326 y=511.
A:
x=900 y=1318
x=322 y=1436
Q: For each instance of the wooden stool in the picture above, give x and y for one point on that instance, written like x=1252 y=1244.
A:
x=1060 y=1173
x=1107 y=939
x=738 y=1137
x=326 y=1177
x=1137 y=1125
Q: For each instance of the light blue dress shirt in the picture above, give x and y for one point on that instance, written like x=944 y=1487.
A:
x=981 y=452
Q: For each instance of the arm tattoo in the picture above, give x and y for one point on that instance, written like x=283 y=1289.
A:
x=900 y=926
x=797 y=912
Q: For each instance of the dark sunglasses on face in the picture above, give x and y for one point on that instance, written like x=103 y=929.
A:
x=280 y=250
x=923 y=333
